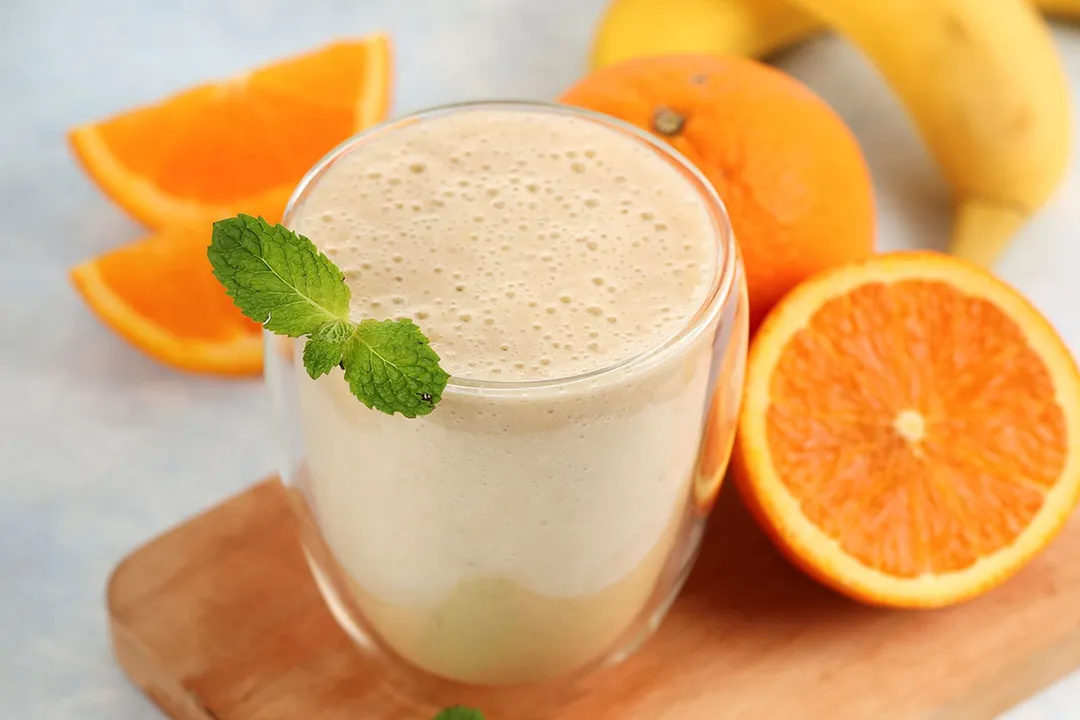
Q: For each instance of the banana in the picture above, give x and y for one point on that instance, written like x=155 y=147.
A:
x=987 y=91
x=1059 y=8
x=750 y=28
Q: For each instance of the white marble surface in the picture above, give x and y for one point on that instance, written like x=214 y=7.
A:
x=102 y=448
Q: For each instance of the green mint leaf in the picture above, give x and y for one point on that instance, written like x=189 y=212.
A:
x=459 y=713
x=326 y=347
x=280 y=279
x=277 y=277
x=391 y=367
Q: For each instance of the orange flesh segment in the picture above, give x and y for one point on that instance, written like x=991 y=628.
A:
x=915 y=426
x=159 y=295
x=208 y=140
x=230 y=146
x=167 y=279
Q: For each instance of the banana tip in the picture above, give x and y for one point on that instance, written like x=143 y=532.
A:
x=983 y=228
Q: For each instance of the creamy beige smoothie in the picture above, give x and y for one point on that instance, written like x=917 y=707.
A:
x=517 y=531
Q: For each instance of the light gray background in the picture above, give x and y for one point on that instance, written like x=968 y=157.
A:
x=101 y=448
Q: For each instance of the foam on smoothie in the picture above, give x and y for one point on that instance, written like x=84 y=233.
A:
x=526 y=246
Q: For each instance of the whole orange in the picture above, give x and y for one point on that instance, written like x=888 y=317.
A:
x=790 y=172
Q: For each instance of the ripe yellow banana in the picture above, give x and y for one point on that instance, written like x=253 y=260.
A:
x=751 y=28
x=987 y=90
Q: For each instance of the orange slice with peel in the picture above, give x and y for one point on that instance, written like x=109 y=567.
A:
x=910 y=430
x=159 y=295
x=226 y=147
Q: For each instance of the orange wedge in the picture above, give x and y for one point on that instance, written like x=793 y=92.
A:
x=227 y=147
x=910 y=430
x=159 y=295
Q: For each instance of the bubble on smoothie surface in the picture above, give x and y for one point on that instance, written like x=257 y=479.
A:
x=555 y=230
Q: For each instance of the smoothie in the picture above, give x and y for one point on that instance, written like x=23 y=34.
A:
x=563 y=270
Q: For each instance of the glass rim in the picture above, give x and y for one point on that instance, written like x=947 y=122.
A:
x=723 y=281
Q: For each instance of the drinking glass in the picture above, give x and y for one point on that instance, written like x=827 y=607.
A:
x=526 y=533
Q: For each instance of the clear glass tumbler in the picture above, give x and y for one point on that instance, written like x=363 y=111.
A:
x=524 y=533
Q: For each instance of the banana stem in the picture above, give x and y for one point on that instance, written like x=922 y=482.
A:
x=983 y=228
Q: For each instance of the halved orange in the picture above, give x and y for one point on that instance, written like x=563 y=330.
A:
x=910 y=430
x=225 y=147
x=159 y=295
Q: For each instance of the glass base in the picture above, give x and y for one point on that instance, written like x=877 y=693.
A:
x=415 y=692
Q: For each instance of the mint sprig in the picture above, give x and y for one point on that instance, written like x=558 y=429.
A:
x=459 y=713
x=280 y=280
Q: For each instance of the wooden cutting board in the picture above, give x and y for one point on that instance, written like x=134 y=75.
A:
x=219 y=619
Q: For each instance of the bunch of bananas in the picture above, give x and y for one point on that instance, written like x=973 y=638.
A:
x=980 y=78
